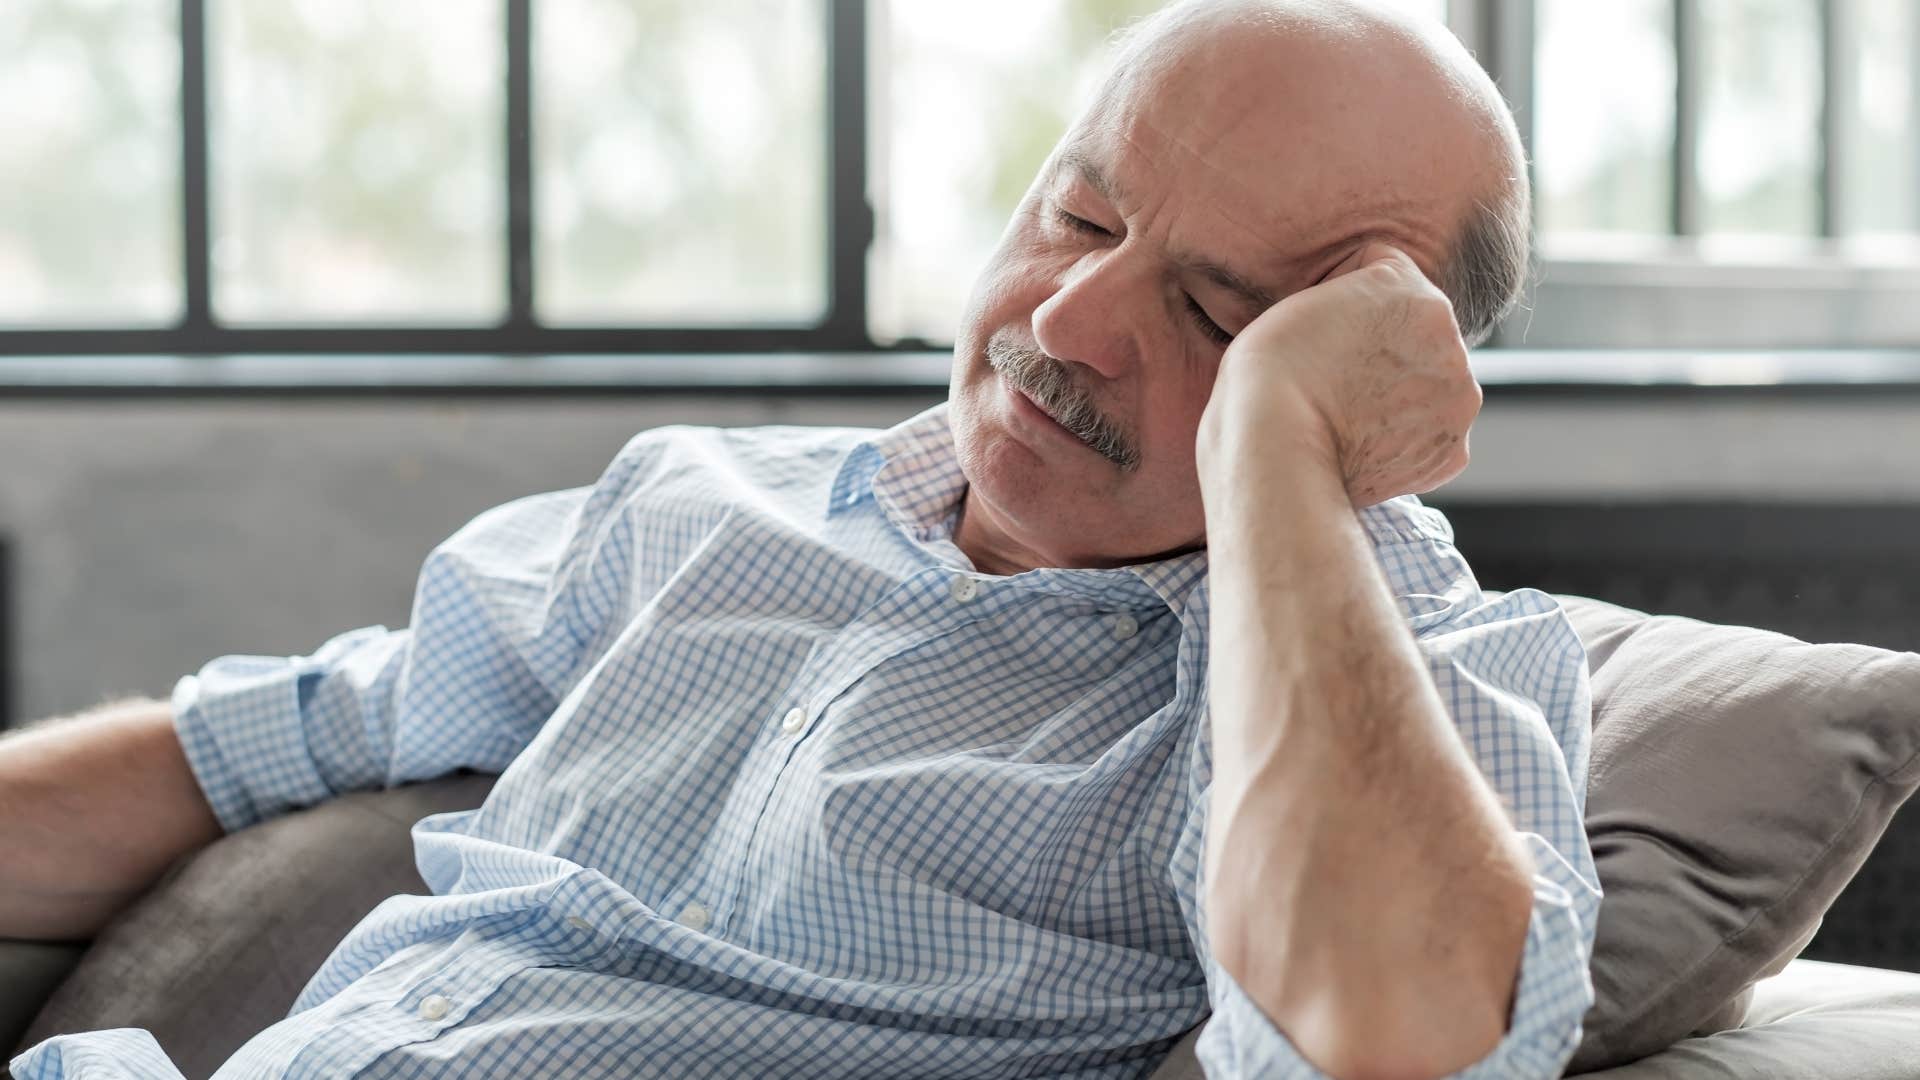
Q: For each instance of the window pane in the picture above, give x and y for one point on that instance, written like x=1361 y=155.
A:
x=1603 y=140
x=963 y=115
x=680 y=165
x=358 y=160
x=1760 y=117
x=90 y=162
x=1881 y=184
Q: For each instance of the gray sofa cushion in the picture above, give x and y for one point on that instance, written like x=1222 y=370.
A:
x=29 y=971
x=1739 y=779
x=219 y=950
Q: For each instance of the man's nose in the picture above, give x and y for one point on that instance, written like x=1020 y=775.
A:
x=1092 y=315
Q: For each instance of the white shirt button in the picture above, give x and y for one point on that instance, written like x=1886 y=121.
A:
x=794 y=721
x=1124 y=627
x=435 y=1007
x=963 y=589
x=578 y=923
x=695 y=917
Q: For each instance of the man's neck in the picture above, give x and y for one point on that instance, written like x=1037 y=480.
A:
x=988 y=544
x=985 y=542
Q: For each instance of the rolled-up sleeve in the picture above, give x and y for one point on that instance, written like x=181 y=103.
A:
x=118 y=1054
x=1513 y=675
x=505 y=612
x=1553 y=993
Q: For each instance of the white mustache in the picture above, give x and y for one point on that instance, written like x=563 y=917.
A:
x=1047 y=382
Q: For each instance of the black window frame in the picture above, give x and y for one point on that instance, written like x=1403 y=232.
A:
x=1816 y=296
x=848 y=221
x=1583 y=304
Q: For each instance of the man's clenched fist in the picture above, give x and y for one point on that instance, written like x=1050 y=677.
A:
x=1364 y=374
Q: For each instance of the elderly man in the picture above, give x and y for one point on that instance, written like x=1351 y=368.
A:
x=1124 y=689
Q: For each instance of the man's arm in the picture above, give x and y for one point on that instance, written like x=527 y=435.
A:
x=92 y=810
x=1368 y=893
x=1365 y=889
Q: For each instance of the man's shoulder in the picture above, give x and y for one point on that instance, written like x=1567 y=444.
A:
x=776 y=454
x=765 y=441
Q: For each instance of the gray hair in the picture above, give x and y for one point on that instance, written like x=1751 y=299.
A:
x=1488 y=266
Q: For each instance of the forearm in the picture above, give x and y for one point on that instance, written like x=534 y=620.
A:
x=92 y=810
x=1366 y=889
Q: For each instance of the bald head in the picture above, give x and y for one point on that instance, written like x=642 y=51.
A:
x=1362 y=66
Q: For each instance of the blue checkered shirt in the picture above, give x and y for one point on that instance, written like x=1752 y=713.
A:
x=790 y=790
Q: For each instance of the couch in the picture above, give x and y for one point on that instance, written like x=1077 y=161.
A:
x=1739 y=779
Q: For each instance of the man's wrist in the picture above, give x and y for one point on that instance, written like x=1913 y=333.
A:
x=1269 y=479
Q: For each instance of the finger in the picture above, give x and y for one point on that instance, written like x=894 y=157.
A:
x=1378 y=253
x=1367 y=253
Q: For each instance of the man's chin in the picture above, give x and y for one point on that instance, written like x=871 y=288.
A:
x=1037 y=483
x=1012 y=455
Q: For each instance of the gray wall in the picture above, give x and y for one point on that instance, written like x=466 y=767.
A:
x=151 y=535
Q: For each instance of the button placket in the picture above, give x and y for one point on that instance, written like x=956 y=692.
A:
x=904 y=618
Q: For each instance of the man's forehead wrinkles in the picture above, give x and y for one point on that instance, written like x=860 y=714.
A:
x=1208 y=265
x=1078 y=161
x=1285 y=261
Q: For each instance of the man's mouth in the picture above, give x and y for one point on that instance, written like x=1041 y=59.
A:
x=1033 y=403
x=1047 y=397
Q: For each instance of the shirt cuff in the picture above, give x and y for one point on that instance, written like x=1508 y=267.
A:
x=1554 y=992
x=243 y=728
x=119 y=1054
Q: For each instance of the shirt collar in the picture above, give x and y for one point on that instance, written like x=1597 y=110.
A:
x=912 y=473
x=911 y=470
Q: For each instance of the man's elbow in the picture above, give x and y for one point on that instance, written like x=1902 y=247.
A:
x=1383 y=1032
x=1389 y=1017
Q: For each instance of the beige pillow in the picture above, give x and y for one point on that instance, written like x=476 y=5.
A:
x=1739 y=778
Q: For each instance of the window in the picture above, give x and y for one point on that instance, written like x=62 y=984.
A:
x=679 y=163
x=89 y=99
x=552 y=176
x=1720 y=172
x=371 y=198
x=1602 y=152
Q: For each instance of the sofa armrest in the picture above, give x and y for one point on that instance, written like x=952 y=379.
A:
x=29 y=971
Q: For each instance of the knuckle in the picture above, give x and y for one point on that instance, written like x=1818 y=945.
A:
x=1433 y=312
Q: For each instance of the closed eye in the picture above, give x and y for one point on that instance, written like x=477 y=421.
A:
x=1078 y=223
x=1213 y=331
x=1207 y=326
